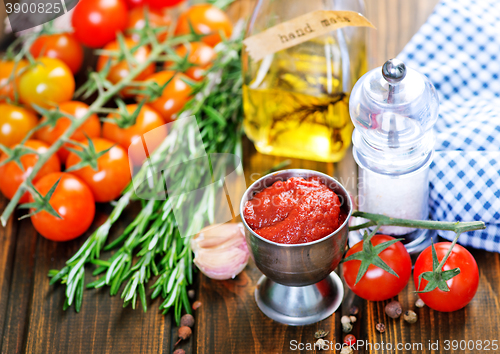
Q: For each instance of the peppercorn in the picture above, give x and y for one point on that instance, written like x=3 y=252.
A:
x=346 y=350
x=180 y=351
x=349 y=340
x=345 y=319
x=410 y=316
x=184 y=332
x=191 y=294
x=420 y=303
x=196 y=305
x=320 y=334
x=187 y=320
x=353 y=319
x=321 y=344
x=393 y=309
x=354 y=311
x=380 y=327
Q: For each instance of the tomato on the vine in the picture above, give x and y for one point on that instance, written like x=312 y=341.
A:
x=48 y=83
x=205 y=19
x=121 y=69
x=15 y=123
x=112 y=175
x=159 y=4
x=91 y=127
x=11 y=175
x=72 y=200
x=156 y=18
x=199 y=58
x=8 y=85
x=174 y=96
x=96 y=22
x=377 y=284
x=462 y=287
x=62 y=46
x=148 y=121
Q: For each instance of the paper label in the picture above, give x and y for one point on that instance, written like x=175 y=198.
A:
x=301 y=29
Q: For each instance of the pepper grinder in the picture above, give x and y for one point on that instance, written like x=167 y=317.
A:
x=394 y=109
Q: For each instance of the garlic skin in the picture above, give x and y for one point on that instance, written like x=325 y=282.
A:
x=220 y=250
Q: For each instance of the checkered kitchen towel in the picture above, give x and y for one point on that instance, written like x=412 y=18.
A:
x=458 y=48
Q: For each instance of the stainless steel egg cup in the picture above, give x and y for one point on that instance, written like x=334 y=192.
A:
x=299 y=286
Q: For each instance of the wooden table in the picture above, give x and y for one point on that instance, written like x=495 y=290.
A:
x=32 y=319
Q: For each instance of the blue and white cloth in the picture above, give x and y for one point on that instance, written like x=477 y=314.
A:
x=458 y=48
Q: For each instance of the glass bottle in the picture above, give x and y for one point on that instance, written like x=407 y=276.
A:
x=296 y=101
x=394 y=109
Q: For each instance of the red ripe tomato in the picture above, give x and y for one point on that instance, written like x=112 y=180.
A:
x=463 y=287
x=15 y=123
x=175 y=95
x=130 y=138
x=159 y=4
x=72 y=200
x=46 y=84
x=113 y=174
x=63 y=46
x=96 y=22
x=156 y=18
x=199 y=55
x=11 y=176
x=205 y=19
x=121 y=69
x=91 y=127
x=7 y=85
x=377 y=284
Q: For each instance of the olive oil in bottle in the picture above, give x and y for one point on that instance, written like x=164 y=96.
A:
x=296 y=101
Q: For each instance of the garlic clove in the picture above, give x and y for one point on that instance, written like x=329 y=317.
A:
x=220 y=250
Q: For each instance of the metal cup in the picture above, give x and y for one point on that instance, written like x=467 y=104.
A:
x=299 y=286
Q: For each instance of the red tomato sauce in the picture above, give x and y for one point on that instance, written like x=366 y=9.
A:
x=295 y=211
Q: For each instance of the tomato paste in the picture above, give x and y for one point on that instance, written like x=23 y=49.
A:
x=294 y=211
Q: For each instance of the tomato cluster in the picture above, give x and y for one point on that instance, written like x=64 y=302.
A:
x=48 y=82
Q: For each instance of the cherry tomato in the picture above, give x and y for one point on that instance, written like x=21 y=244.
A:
x=463 y=287
x=72 y=200
x=11 y=175
x=46 y=84
x=96 y=22
x=156 y=18
x=199 y=55
x=91 y=127
x=62 y=46
x=121 y=69
x=159 y=4
x=205 y=19
x=113 y=174
x=130 y=138
x=377 y=284
x=15 y=123
x=7 y=85
x=174 y=95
